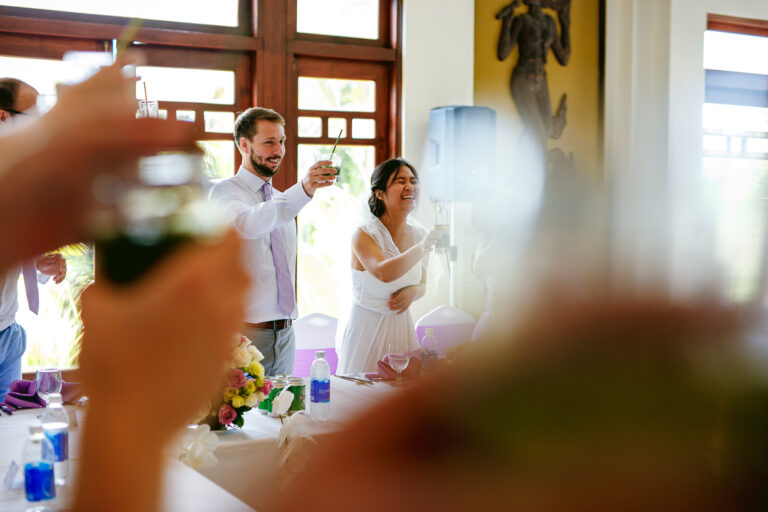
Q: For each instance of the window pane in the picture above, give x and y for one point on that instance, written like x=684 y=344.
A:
x=183 y=84
x=735 y=52
x=219 y=156
x=310 y=127
x=185 y=115
x=363 y=128
x=219 y=122
x=42 y=74
x=336 y=94
x=325 y=227
x=348 y=18
x=221 y=12
x=757 y=145
x=337 y=127
x=53 y=335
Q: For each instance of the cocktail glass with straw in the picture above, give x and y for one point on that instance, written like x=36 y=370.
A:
x=335 y=159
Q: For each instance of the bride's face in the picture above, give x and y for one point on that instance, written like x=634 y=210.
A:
x=402 y=191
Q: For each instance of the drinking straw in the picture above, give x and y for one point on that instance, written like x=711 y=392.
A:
x=145 y=94
x=337 y=141
x=127 y=35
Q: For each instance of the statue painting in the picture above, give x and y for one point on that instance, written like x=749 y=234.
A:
x=534 y=32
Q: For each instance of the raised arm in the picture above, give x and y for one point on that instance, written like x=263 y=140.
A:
x=388 y=269
x=252 y=221
x=510 y=31
x=562 y=45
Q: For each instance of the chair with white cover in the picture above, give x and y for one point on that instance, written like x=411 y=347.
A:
x=451 y=325
x=315 y=331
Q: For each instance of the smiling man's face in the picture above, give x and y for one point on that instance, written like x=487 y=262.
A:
x=265 y=151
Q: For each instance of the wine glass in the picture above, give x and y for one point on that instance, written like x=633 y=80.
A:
x=398 y=358
x=47 y=382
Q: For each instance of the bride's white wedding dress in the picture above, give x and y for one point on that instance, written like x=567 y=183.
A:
x=372 y=325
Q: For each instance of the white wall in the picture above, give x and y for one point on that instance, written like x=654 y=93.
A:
x=438 y=70
x=654 y=94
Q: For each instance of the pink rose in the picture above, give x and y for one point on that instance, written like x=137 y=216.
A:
x=226 y=414
x=236 y=378
x=267 y=387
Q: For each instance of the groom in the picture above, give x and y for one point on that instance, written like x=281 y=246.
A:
x=265 y=219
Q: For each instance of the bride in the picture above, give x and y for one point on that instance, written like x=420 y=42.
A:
x=388 y=269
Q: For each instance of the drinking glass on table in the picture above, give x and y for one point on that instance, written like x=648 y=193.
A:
x=397 y=356
x=47 y=382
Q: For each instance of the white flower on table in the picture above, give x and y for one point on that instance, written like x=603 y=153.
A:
x=282 y=402
x=196 y=446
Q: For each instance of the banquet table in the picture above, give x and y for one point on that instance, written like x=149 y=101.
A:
x=250 y=465
x=184 y=488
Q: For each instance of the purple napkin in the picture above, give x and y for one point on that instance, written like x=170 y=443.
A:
x=22 y=394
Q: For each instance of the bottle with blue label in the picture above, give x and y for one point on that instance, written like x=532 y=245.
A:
x=38 y=459
x=56 y=429
x=320 y=388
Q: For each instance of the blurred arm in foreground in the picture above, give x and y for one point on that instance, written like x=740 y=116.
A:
x=598 y=403
x=48 y=167
x=172 y=327
x=152 y=352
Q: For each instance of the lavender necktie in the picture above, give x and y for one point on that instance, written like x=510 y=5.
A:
x=30 y=283
x=285 y=299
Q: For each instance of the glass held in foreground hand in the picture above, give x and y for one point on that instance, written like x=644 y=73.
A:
x=148 y=108
x=149 y=213
x=335 y=159
x=398 y=358
x=47 y=382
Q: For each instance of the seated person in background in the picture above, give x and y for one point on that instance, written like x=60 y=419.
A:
x=389 y=269
x=177 y=320
x=15 y=98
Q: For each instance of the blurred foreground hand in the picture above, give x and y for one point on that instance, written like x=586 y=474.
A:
x=596 y=403
x=152 y=353
x=48 y=167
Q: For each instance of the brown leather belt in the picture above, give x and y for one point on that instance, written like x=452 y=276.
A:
x=275 y=325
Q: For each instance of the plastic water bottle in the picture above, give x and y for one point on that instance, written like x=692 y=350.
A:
x=38 y=459
x=320 y=388
x=56 y=429
x=429 y=350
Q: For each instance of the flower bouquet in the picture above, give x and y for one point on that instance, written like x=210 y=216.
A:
x=243 y=388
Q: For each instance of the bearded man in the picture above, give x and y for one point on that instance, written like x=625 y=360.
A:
x=265 y=219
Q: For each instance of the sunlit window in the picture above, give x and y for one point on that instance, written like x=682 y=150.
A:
x=347 y=18
x=735 y=165
x=182 y=84
x=221 y=12
x=325 y=227
x=336 y=94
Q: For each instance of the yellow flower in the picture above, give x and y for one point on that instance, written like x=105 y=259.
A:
x=229 y=394
x=250 y=387
x=253 y=400
x=238 y=401
x=256 y=370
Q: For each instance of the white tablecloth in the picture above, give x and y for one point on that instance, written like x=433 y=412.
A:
x=248 y=458
x=185 y=489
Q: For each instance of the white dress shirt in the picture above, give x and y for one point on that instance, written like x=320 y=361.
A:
x=242 y=198
x=9 y=302
x=9 y=297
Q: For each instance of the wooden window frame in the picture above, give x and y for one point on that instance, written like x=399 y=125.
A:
x=747 y=26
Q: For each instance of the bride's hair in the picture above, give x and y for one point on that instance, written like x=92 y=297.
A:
x=380 y=180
